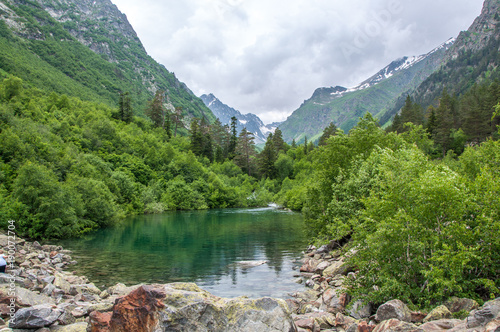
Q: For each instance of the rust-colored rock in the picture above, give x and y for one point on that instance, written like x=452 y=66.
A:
x=364 y=327
x=99 y=321
x=417 y=316
x=137 y=311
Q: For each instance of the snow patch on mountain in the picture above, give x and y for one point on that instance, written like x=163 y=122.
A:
x=249 y=121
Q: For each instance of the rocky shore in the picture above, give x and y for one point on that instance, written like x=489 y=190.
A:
x=38 y=293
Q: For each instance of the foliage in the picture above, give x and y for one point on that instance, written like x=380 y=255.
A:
x=68 y=166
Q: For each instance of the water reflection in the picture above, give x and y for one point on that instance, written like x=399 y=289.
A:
x=197 y=246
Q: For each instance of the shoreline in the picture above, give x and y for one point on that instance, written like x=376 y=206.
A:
x=46 y=297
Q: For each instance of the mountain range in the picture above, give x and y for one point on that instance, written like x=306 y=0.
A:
x=249 y=121
x=87 y=49
x=377 y=95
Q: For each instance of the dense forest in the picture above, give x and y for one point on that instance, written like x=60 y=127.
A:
x=69 y=166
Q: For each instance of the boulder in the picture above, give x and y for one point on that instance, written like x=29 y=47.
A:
x=456 y=304
x=99 y=321
x=26 y=297
x=321 y=266
x=332 y=301
x=138 y=311
x=481 y=317
x=393 y=309
x=360 y=310
x=336 y=267
x=438 y=313
x=76 y=327
x=395 y=325
x=186 y=307
x=493 y=326
x=34 y=317
x=441 y=324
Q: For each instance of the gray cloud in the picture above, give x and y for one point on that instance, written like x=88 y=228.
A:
x=267 y=56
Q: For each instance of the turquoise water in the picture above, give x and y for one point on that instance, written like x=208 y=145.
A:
x=197 y=246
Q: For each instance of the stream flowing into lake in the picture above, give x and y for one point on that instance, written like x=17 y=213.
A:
x=205 y=247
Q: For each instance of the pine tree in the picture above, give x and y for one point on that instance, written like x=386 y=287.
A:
x=327 y=132
x=234 y=138
x=125 y=107
x=294 y=144
x=245 y=152
x=431 y=121
x=267 y=158
x=157 y=112
x=278 y=142
x=445 y=121
x=305 y=145
x=177 y=118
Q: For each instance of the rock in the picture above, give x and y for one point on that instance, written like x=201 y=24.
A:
x=360 y=310
x=344 y=322
x=438 y=313
x=417 y=317
x=138 y=311
x=493 y=326
x=456 y=304
x=442 y=324
x=76 y=327
x=309 y=265
x=188 y=308
x=321 y=266
x=395 y=325
x=481 y=317
x=62 y=283
x=364 y=327
x=249 y=264
x=308 y=295
x=37 y=245
x=324 y=249
x=66 y=318
x=332 y=302
x=26 y=297
x=393 y=309
x=337 y=267
x=99 y=321
x=35 y=317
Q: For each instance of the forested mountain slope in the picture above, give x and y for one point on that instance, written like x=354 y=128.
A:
x=85 y=49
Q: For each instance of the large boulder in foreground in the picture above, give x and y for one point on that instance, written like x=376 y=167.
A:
x=186 y=307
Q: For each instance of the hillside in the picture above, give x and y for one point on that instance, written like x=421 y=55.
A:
x=473 y=58
x=377 y=95
x=86 y=49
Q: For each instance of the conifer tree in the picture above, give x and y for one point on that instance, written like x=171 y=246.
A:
x=278 y=142
x=125 y=104
x=245 y=152
x=267 y=158
x=234 y=138
x=327 y=132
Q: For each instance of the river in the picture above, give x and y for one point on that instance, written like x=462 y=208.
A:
x=205 y=247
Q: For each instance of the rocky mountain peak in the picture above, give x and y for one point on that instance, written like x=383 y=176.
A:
x=485 y=27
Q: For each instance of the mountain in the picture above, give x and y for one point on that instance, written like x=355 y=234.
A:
x=249 y=121
x=376 y=95
x=473 y=58
x=87 y=49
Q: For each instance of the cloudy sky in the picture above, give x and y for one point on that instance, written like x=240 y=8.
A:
x=267 y=56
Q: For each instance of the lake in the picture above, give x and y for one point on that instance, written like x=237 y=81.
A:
x=198 y=246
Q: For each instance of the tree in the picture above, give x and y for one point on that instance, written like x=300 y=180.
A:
x=445 y=121
x=245 y=151
x=294 y=144
x=267 y=158
x=158 y=113
x=278 y=142
x=12 y=87
x=305 y=145
x=125 y=107
x=177 y=118
x=327 y=132
x=234 y=138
